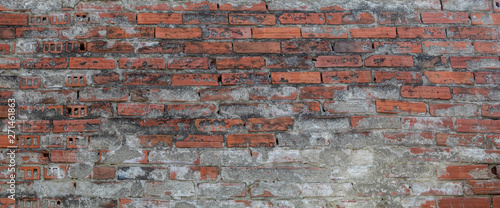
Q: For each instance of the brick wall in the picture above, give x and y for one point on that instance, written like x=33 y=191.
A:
x=252 y=104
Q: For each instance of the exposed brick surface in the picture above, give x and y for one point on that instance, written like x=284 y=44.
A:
x=233 y=103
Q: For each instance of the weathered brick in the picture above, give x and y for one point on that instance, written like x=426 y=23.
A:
x=302 y=18
x=398 y=77
x=267 y=93
x=295 y=47
x=470 y=140
x=319 y=92
x=227 y=33
x=475 y=33
x=205 y=19
x=188 y=63
x=142 y=63
x=346 y=77
x=160 y=47
x=426 y=92
x=147 y=79
x=444 y=17
x=441 y=77
x=389 y=61
x=485 y=186
x=464 y=202
x=462 y=62
x=478 y=125
x=14 y=19
x=241 y=63
x=252 y=19
x=339 y=61
x=377 y=32
x=251 y=140
x=342 y=18
x=421 y=32
x=324 y=32
x=159 y=18
x=195 y=80
x=352 y=47
x=244 y=78
x=428 y=123
x=208 y=47
x=448 y=109
x=492 y=111
x=91 y=63
x=201 y=141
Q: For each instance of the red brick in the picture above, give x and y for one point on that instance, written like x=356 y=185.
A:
x=201 y=141
x=403 y=77
x=264 y=124
x=252 y=19
x=14 y=19
x=66 y=126
x=324 y=32
x=257 y=47
x=195 y=80
x=160 y=47
x=376 y=32
x=478 y=125
x=130 y=32
x=487 y=77
x=268 y=93
x=399 y=47
x=486 y=47
x=37 y=32
x=208 y=47
x=218 y=125
x=464 y=202
x=398 y=18
x=241 y=63
x=227 y=33
x=492 y=111
x=91 y=63
x=244 y=78
x=101 y=109
x=352 y=47
x=389 y=61
x=159 y=18
x=302 y=18
x=251 y=140
x=468 y=140
x=295 y=77
x=445 y=77
x=426 y=92
x=10 y=63
x=339 y=61
x=320 y=92
x=485 y=186
x=7 y=33
x=188 y=63
x=343 y=18
x=276 y=33
x=329 y=77
x=421 y=32
x=104 y=173
x=496 y=201
x=202 y=6
x=139 y=109
x=475 y=33
x=109 y=47
x=222 y=94
x=205 y=19
x=106 y=78
x=463 y=62
x=444 y=17
x=30 y=172
x=297 y=47
x=147 y=79
x=261 y=7
x=390 y=106
x=142 y=63
x=4 y=48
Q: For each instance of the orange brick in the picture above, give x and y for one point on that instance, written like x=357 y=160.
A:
x=426 y=92
x=376 y=32
x=295 y=77
x=276 y=33
x=177 y=33
x=444 y=77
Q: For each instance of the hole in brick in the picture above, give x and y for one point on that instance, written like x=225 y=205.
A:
x=82 y=46
x=497 y=4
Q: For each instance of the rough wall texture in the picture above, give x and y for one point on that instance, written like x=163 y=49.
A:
x=251 y=104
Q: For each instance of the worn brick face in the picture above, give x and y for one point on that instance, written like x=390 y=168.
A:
x=234 y=103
